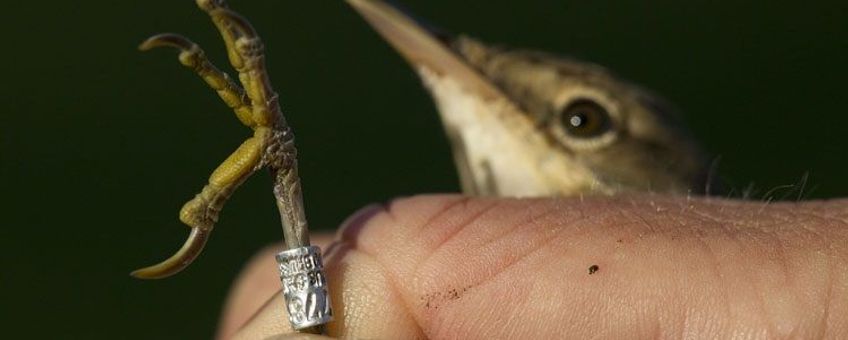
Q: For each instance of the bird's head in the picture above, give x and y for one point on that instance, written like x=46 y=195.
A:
x=525 y=123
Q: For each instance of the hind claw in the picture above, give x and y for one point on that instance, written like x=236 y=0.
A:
x=179 y=261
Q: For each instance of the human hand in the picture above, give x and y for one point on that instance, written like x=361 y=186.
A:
x=644 y=266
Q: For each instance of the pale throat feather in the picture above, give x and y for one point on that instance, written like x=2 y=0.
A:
x=499 y=149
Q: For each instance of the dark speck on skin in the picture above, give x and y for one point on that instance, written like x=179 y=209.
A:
x=435 y=300
x=593 y=269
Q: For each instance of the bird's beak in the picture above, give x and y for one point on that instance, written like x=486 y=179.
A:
x=430 y=54
x=423 y=47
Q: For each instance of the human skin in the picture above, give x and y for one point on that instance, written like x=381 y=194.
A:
x=665 y=267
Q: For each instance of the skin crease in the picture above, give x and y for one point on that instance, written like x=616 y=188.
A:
x=667 y=267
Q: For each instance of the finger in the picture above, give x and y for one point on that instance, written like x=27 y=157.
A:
x=254 y=286
x=627 y=267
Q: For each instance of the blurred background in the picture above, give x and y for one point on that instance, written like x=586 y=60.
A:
x=100 y=145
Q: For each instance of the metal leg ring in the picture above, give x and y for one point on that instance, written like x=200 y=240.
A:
x=305 y=287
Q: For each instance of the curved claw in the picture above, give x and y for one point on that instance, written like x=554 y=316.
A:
x=179 y=261
x=240 y=23
x=167 y=40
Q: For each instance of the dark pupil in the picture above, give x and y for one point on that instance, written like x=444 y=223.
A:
x=585 y=119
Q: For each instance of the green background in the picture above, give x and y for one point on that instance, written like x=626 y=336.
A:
x=100 y=144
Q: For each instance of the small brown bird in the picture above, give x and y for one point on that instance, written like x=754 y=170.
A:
x=527 y=123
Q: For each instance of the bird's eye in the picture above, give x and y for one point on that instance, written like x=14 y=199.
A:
x=585 y=119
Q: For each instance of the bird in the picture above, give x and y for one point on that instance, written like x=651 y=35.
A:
x=526 y=123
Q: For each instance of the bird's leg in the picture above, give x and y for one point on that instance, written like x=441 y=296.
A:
x=246 y=52
x=272 y=145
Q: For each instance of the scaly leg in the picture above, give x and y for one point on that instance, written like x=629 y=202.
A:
x=272 y=144
x=249 y=61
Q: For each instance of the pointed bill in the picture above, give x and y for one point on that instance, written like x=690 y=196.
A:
x=421 y=47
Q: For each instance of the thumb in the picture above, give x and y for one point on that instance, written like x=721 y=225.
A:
x=627 y=267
